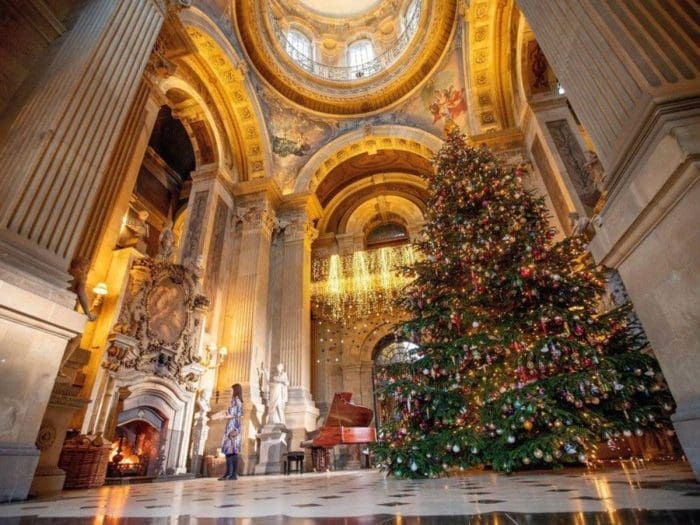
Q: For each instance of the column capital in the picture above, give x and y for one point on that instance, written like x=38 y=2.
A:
x=172 y=6
x=258 y=215
x=212 y=172
x=299 y=228
x=298 y=216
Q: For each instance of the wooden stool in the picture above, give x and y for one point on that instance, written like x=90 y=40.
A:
x=296 y=458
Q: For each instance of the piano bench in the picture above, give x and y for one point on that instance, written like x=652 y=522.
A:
x=296 y=458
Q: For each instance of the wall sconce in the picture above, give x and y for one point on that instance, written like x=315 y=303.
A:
x=223 y=351
x=100 y=290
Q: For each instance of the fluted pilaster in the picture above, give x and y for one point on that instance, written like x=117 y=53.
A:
x=56 y=151
x=295 y=333
x=246 y=323
x=617 y=60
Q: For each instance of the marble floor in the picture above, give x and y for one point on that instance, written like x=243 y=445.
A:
x=631 y=493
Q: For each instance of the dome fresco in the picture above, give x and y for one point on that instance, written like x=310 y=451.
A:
x=340 y=8
x=346 y=65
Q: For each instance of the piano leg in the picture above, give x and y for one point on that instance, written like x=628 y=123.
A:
x=355 y=462
x=321 y=458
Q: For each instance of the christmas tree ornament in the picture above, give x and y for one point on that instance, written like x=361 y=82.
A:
x=514 y=347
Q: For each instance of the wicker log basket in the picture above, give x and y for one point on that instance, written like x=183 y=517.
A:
x=85 y=459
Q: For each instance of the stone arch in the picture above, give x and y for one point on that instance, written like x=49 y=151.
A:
x=365 y=214
x=488 y=39
x=213 y=137
x=338 y=210
x=378 y=332
x=248 y=138
x=371 y=139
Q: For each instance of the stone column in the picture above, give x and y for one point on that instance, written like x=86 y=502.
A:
x=205 y=237
x=53 y=156
x=349 y=243
x=56 y=151
x=618 y=61
x=630 y=73
x=299 y=213
x=117 y=187
x=246 y=326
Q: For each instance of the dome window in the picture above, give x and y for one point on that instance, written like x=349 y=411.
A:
x=298 y=47
x=361 y=57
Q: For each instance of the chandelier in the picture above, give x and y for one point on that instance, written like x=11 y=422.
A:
x=356 y=285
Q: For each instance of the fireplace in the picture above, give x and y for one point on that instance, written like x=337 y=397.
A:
x=138 y=444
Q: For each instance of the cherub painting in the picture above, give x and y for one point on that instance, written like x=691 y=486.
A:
x=447 y=102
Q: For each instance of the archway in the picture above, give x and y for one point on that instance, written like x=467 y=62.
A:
x=389 y=350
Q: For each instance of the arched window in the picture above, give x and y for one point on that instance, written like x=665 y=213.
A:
x=389 y=351
x=360 y=53
x=299 y=47
x=386 y=234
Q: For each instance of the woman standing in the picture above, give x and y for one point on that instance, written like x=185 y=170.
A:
x=231 y=442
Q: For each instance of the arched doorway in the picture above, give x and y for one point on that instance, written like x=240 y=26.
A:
x=389 y=350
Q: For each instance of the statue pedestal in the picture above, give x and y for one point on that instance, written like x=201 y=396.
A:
x=200 y=433
x=301 y=416
x=274 y=439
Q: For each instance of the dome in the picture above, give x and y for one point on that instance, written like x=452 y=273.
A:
x=340 y=8
x=345 y=58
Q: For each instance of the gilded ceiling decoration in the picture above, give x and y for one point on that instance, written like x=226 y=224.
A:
x=254 y=24
x=232 y=77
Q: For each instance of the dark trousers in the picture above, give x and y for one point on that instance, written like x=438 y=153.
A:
x=231 y=466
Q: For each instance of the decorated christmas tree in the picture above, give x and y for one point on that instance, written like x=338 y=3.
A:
x=517 y=366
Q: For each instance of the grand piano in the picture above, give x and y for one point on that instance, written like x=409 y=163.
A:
x=346 y=424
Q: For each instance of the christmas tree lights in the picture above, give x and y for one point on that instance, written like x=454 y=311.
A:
x=517 y=365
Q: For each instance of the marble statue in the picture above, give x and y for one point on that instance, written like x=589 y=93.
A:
x=79 y=270
x=135 y=232
x=203 y=401
x=595 y=170
x=579 y=225
x=278 y=396
x=166 y=243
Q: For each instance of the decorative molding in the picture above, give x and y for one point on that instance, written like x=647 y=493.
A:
x=364 y=96
x=230 y=72
x=159 y=325
x=46 y=436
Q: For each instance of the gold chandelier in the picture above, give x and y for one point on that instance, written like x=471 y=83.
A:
x=356 y=285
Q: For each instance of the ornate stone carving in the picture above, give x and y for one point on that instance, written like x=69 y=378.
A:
x=194 y=229
x=158 y=66
x=167 y=243
x=79 y=271
x=298 y=227
x=257 y=216
x=46 y=437
x=157 y=331
x=538 y=67
x=135 y=231
x=572 y=155
x=595 y=170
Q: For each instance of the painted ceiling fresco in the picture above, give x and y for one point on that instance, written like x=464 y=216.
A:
x=296 y=134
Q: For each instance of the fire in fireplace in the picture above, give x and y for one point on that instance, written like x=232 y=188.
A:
x=135 y=450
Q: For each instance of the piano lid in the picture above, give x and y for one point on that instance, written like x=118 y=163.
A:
x=345 y=413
